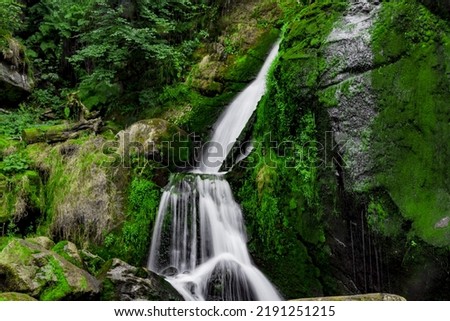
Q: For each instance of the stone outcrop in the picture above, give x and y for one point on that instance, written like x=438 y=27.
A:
x=14 y=85
x=156 y=139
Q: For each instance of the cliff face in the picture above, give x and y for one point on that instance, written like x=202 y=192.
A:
x=361 y=93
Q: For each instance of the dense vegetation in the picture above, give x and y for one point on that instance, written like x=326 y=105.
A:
x=311 y=230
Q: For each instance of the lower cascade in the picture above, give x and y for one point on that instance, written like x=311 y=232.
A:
x=199 y=242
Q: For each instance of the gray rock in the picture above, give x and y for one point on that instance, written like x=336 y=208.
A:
x=350 y=58
x=151 y=138
x=124 y=282
x=442 y=223
x=14 y=86
x=43 y=241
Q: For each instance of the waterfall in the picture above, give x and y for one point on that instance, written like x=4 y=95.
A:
x=199 y=242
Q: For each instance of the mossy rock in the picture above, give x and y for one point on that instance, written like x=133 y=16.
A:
x=29 y=268
x=70 y=252
x=124 y=282
x=43 y=241
x=4 y=212
x=411 y=134
x=158 y=140
x=13 y=296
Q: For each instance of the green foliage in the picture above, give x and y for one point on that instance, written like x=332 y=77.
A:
x=10 y=19
x=149 y=43
x=11 y=125
x=14 y=163
x=383 y=217
x=60 y=288
x=46 y=99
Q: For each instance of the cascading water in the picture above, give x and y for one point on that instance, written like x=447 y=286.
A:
x=199 y=240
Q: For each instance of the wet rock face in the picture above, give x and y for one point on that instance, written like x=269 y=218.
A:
x=124 y=282
x=350 y=60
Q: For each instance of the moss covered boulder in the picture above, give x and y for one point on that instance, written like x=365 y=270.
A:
x=70 y=252
x=158 y=140
x=124 y=282
x=43 y=241
x=29 y=268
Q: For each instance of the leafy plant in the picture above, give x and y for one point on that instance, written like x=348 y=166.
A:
x=10 y=17
x=15 y=163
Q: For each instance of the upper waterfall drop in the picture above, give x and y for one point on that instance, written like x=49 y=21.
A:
x=199 y=242
x=234 y=119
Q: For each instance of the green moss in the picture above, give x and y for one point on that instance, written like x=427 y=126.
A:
x=21 y=253
x=4 y=241
x=411 y=132
x=327 y=97
x=246 y=66
x=60 y=248
x=108 y=291
x=60 y=288
x=22 y=196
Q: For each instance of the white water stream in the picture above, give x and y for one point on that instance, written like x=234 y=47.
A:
x=199 y=242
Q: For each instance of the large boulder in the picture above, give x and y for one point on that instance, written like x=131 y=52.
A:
x=124 y=282
x=30 y=268
x=158 y=140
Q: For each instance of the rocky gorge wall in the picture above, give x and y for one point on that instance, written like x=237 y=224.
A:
x=361 y=93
